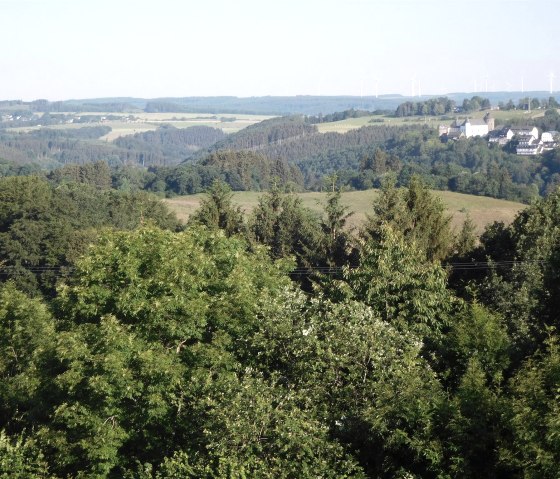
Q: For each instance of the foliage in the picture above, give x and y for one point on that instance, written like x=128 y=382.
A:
x=27 y=339
x=44 y=228
x=434 y=107
x=169 y=145
x=368 y=380
x=192 y=354
x=336 y=241
x=396 y=280
x=20 y=459
x=285 y=226
x=528 y=292
x=217 y=210
x=417 y=214
x=337 y=116
x=535 y=448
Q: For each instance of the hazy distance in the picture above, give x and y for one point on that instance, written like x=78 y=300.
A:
x=61 y=49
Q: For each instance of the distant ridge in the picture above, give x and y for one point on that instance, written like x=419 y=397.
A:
x=263 y=105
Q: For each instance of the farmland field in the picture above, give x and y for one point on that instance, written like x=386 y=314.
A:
x=151 y=121
x=482 y=210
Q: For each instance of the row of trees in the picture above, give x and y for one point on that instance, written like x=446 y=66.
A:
x=337 y=116
x=441 y=106
x=528 y=103
x=433 y=106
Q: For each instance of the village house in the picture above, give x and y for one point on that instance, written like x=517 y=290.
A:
x=501 y=136
x=529 y=145
x=549 y=140
x=525 y=131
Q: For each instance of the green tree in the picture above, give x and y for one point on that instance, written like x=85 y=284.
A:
x=27 y=340
x=281 y=222
x=407 y=291
x=367 y=379
x=218 y=211
x=336 y=240
x=527 y=293
x=535 y=413
x=417 y=214
x=153 y=327
x=472 y=423
x=42 y=228
x=465 y=242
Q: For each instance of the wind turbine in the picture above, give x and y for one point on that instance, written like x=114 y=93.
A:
x=551 y=77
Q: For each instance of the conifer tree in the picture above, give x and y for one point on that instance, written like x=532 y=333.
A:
x=218 y=211
x=336 y=240
x=417 y=214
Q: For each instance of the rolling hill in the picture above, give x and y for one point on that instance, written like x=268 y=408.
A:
x=482 y=210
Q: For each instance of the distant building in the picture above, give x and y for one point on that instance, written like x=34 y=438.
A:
x=525 y=131
x=549 y=140
x=529 y=145
x=455 y=135
x=468 y=128
x=501 y=136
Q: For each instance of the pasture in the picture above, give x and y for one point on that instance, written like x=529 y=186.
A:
x=482 y=210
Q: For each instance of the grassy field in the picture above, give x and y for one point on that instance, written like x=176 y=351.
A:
x=482 y=210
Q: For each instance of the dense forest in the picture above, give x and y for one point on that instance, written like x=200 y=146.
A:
x=50 y=147
x=282 y=345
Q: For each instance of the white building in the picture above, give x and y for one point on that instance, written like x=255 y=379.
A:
x=474 y=127
x=529 y=145
x=525 y=131
x=468 y=128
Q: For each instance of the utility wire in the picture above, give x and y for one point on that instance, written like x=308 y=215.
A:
x=301 y=271
x=467 y=266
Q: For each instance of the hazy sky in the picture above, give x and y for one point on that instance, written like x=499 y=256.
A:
x=61 y=49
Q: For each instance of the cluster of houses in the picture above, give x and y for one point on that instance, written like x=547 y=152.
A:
x=9 y=117
x=529 y=141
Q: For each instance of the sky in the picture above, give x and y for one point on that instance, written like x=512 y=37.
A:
x=64 y=49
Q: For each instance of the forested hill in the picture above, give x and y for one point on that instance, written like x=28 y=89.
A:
x=294 y=139
x=262 y=135
x=363 y=157
x=49 y=147
x=168 y=145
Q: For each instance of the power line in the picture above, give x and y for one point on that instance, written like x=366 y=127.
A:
x=470 y=266
x=300 y=271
